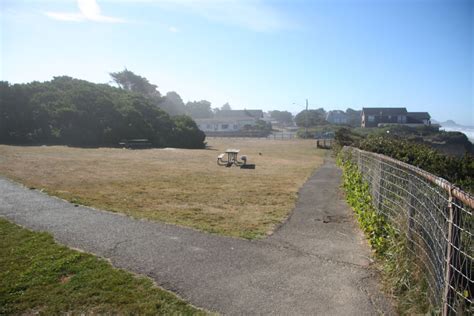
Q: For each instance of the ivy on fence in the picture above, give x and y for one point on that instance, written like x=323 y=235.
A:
x=402 y=279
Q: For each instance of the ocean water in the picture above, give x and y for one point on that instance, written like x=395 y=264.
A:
x=467 y=130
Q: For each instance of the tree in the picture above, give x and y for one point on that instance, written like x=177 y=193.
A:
x=353 y=117
x=309 y=118
x=172 y=104
x=283 y=117
x=186 y=133
x=76 y=112
x=199 y=109
x=127 y=80
x=226 y=107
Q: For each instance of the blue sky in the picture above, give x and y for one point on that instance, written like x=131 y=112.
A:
x=256 y=54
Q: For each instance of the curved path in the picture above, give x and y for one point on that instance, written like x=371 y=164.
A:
x=316 y=263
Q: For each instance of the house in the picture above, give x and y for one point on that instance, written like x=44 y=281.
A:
x=229 y=121
x=372 y=117
x=375 y=117
x=419 y=118
x=337 y=117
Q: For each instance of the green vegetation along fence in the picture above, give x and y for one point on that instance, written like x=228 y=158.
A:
x=437 y=219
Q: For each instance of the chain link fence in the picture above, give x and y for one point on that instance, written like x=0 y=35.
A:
x=437 y=219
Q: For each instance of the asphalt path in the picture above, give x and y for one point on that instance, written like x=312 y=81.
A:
x=316 y=263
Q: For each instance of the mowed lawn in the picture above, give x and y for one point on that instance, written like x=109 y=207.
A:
x=39 y=276
x=178 y=186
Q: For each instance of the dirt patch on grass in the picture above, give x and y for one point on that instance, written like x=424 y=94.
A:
x=184 y=187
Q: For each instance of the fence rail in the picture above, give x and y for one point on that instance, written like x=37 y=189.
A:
x=437 y=219
x=325 y=143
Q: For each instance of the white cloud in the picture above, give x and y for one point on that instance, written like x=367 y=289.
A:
x=251 y=14
x=89 y=10
x=257 y=15
x=173 y=29
x=63 y=16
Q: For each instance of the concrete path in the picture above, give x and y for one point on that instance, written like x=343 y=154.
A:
x=317 y=263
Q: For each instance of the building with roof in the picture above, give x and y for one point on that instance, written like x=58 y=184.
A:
x=419 y=118
x=375 y=117
x=229 y=121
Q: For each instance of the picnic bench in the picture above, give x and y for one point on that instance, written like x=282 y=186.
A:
x=135 y=143
x=232 y=159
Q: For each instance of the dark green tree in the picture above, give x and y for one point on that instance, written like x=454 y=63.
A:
x=186 y=133
x=199 y=109
x=172 y=104
x=127 y=80
x=80 y=113
x=283 y=117
x=310 y=118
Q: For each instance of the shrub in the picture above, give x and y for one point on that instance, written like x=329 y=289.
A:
x=457 y=170
x=402 y=277
x=76 y=112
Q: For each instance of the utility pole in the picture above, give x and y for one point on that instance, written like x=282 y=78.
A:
x=306 y=121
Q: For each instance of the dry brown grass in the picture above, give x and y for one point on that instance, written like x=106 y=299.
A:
x=179 y=186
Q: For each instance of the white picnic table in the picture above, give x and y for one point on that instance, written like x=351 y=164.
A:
x=231 y=158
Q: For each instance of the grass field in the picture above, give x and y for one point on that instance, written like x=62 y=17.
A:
x=179 y=186
x=38 y=276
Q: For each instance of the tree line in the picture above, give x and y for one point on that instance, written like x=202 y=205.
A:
x=75 y=112
x=171 y=103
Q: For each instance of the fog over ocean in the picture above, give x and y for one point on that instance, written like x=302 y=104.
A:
x=468 y=130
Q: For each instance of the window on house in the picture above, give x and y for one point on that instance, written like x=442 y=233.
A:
x=208 y=126
x=371 y=118
x=225 y=126
x=236 y=126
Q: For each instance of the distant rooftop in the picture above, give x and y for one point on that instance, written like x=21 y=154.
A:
x=224 y=119
x=384 y=111
x=419 y=115
x=239 y=113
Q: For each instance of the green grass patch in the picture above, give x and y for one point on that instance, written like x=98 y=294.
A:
x=402 y=278
x=37 y=275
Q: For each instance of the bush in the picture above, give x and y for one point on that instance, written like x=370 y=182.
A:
x=75 y=112
x=457 y=170
x=186 y=134
x=401 y=276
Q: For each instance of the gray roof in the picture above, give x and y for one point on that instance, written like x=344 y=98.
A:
x=419 y=115
x=239 y=113
x=384 y=111
x=224 y=119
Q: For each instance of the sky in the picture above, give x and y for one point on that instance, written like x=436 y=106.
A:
x=256 y=54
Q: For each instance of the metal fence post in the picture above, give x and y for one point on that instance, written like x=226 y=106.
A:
x=452 y=246
x=411 y=213
x=379 y=186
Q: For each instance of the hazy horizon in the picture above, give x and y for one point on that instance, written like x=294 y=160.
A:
x=256 y=54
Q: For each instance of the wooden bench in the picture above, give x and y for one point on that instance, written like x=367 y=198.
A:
x=136 y=143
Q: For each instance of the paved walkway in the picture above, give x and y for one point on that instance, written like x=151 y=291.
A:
x=316 y=263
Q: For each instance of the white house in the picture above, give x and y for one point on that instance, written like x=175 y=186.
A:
x=229 y=121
